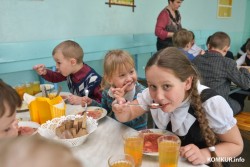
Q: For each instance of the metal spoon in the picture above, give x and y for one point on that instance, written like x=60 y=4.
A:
x=152 y=105
x=86 y=91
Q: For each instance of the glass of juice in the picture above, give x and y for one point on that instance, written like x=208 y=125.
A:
x=36 y=87
x=133 y=145
x=168 y=147
x=20 y=89
x=121 y=160
x=29 y=89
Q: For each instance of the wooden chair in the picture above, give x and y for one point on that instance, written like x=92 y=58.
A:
x=243 y=122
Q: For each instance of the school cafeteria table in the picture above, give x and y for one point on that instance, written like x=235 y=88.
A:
x=105 y=141
x=236 y=89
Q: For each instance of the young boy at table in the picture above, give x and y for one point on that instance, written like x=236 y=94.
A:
x=217 y=72
x=195 y=49
x=229 y=54
x=245 y=58
x=201 y=118
x=243 y=49
x=120 y=80
x=9 y=101
x=182 y=39
x=35 y=151
x=68 y=56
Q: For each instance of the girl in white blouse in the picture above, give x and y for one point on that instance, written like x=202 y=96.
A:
x=202 y=119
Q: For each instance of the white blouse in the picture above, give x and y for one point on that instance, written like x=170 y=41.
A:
x=218 y=112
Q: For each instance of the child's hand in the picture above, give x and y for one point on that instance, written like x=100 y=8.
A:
x=202 y=52
x=86 y=100
x=119 y=92
x=75 y=100
x=193 y=154
x=118 y=105
x=40 y=69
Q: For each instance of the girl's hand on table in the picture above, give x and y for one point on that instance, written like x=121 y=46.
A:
x=193 y=154
x=75 y=100
x=40 y=69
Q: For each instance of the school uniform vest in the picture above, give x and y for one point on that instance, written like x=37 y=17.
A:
x=192 y=137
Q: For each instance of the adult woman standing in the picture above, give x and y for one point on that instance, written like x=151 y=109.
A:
x=168 y=22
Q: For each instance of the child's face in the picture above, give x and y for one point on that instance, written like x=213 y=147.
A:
x=63 y=65
x=124 y=76
x=8 y=126
x=248 y=53
x=165 y=88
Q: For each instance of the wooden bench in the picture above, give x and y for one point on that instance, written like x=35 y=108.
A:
x=243 y=123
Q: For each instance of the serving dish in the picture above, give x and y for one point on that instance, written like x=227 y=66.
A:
x=48 y=130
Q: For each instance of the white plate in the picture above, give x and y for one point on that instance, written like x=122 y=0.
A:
x=78 y=110
x=24 y=107
x=48 y=86
x=29 y=124
x=63 y=94
x=155 y=131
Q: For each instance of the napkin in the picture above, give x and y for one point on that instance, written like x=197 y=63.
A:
x=28 y=98
x=60 y=105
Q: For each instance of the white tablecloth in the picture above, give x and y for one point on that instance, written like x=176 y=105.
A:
x=107 y=141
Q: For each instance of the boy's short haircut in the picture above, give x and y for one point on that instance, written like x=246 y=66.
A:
x=70 y=49
x=8 y=96
x=219 y=40
x=248 y=46
x=193 y=36
x=181 y=38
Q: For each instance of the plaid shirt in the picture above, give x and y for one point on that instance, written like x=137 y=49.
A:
x=217 y=72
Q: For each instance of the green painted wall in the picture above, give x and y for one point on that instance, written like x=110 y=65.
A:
x=35 y=20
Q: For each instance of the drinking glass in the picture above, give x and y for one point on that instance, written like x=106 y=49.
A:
x=29 y=89
x=168 y=147
x=20 y=89
x=133 y=145
x=121 y=160
x=36 y=87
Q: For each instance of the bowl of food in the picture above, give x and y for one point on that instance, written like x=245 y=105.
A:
x=150 y=145
x=71 y=130
x=27 y=128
